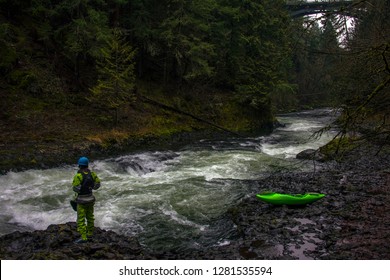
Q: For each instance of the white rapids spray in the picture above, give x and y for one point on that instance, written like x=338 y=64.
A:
x=169 y=199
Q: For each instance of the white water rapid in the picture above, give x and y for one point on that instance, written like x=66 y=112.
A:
x=169 y=199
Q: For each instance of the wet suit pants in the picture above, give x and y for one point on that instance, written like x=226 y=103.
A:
x=85 y=220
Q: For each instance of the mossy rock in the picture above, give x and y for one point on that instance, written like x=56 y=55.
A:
x=338 y=147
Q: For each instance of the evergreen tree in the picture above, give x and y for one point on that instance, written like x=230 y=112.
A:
x=253 y=47
x=78 y=30
x=331 y=54
x=306 y=61
x=116 y=82
x=186 y=34
x=143 y=18
x=315 y=54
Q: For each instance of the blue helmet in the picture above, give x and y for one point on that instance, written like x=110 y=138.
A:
x=83 y=161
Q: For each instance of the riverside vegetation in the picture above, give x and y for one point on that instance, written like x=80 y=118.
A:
x=95 y=75
x=76 y=75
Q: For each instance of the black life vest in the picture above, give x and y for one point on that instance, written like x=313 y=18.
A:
x=87 y=183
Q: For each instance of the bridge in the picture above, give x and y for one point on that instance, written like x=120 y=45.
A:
x=299 y=8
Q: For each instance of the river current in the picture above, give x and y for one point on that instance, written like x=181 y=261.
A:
x=169 y=199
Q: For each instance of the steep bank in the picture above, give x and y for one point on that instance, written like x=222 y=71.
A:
x=351 y=222
x=40 y=133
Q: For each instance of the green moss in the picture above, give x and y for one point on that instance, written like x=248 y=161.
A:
x=336 y=148
x=232 y=117
x=21 y=78
x=107 y=139
x=8 y=58
x=166 y=125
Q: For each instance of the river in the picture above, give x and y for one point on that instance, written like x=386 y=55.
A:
x=175 y=199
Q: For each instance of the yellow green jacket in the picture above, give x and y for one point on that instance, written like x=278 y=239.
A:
x=77 y=182
x=78 y=178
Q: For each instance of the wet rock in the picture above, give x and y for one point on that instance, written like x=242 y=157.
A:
x=56 y=242
x=311 y=154
x=349 y=223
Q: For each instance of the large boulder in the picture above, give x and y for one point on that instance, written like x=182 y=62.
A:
x=311 y=154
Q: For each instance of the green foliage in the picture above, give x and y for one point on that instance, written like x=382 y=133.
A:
x=365 y=85
x=316 y=51
x=239 y=46
x=185 y=34
x=284 y=97
x=231 y=44
x=7 y=51
x=256 y=52
x=115 y=67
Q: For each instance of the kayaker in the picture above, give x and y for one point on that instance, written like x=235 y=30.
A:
x=83 y=183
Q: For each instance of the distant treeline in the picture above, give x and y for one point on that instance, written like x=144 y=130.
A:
x=251 y=48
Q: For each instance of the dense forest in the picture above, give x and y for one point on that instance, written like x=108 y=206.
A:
x=111 y=69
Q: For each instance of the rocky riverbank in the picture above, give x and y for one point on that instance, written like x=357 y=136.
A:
x=42 y=155
x=351 y=222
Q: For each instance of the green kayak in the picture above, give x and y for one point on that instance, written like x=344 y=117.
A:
x=289 y=199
